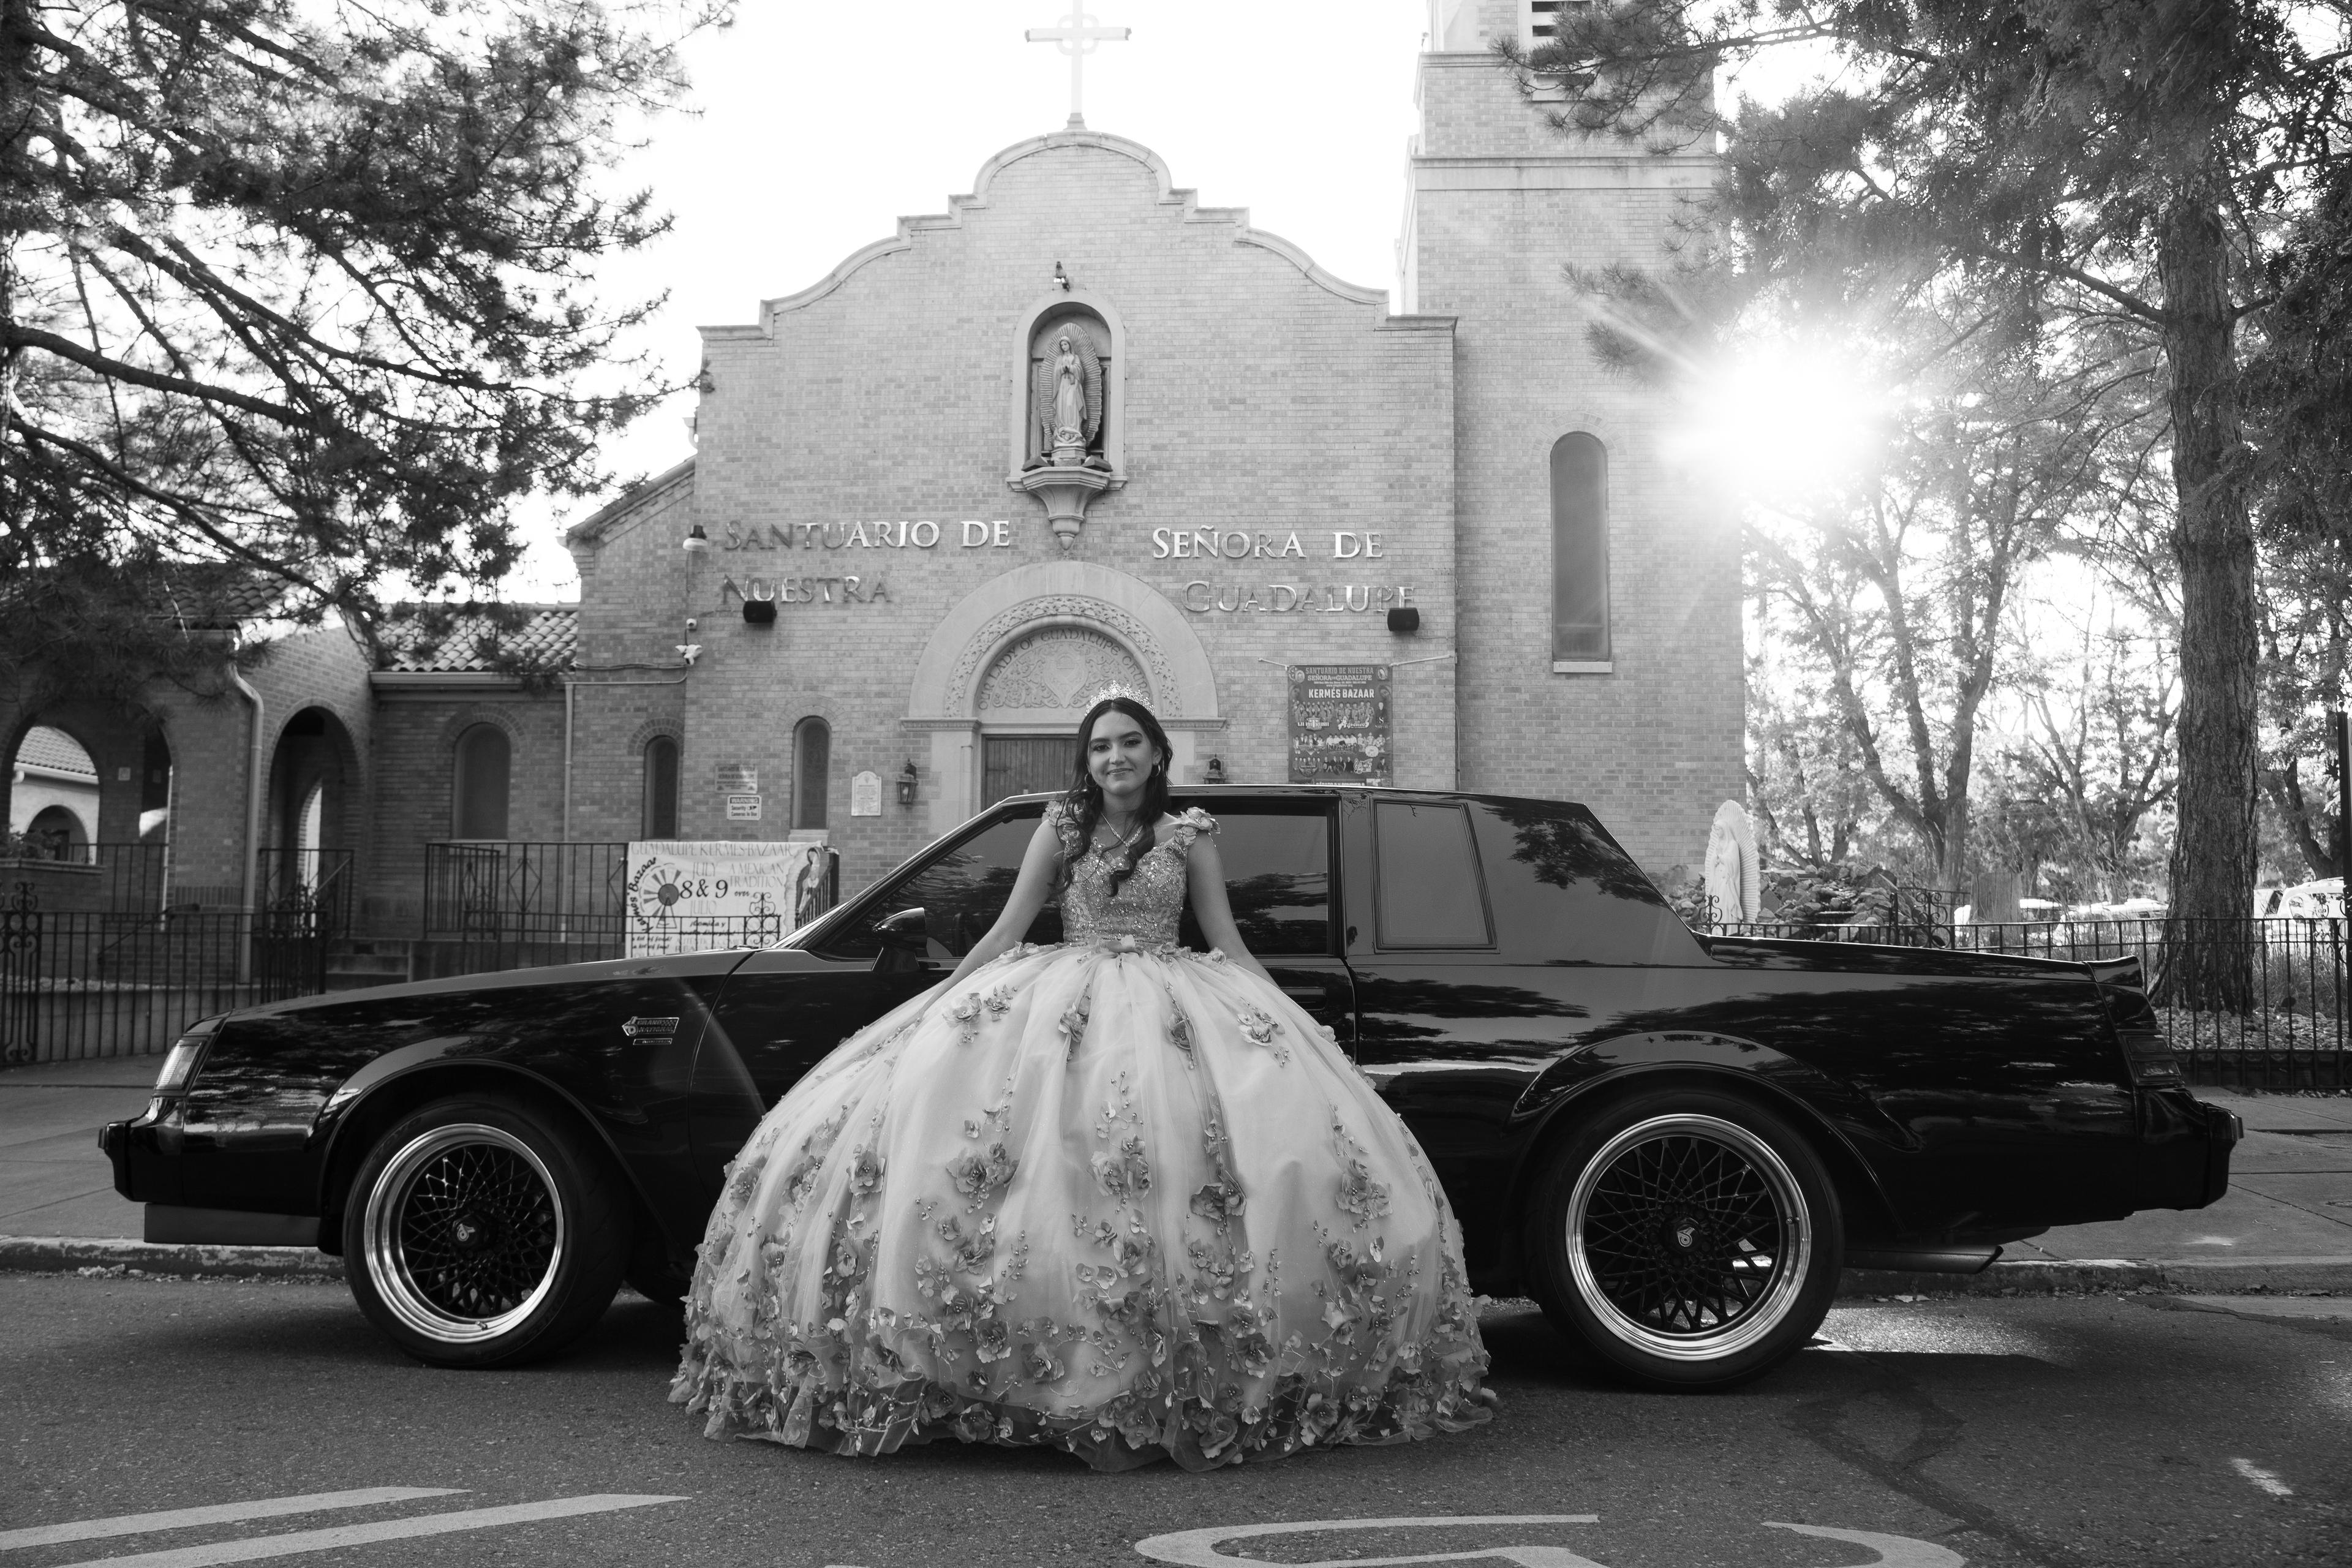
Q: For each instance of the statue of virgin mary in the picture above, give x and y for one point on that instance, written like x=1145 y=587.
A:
x=1066 y=391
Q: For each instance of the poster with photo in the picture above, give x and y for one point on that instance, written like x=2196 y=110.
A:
x=1340 y=724
x=695 y=895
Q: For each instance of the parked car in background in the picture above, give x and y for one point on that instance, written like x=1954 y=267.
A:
x=1674 y=1143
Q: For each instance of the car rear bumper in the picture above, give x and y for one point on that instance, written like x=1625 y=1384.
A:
x=2224 y=1130
x=2184 y=1147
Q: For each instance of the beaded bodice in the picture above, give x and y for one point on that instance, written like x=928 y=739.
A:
x=1148 y=904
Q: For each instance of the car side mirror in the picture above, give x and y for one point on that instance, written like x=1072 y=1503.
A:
x=906 y=939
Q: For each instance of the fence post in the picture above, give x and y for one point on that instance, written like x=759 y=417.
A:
x=20 y=975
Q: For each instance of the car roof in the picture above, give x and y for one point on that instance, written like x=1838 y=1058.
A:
x=1312 y=791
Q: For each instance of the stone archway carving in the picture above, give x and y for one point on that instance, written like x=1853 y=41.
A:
x=1119 y=627
x=977 y=631
x=1061 y=668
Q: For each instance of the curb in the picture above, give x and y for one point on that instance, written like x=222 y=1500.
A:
x=2185 y=1275
x=52 y=1254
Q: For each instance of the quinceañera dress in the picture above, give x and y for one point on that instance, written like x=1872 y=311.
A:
x=1119 y=1197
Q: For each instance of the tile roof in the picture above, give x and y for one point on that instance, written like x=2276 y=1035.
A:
x=547 y=637
x=43 y=747
x=216 y=594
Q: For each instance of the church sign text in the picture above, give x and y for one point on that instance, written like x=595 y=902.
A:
x=1306 y=598
x=1238 y=545
x=971 y=534
x=842 y=590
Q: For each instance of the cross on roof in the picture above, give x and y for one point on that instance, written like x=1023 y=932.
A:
x=1078 y=36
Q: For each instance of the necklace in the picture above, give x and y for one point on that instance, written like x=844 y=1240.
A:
x=1124 y=839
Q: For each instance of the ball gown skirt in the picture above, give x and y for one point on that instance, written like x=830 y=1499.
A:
x=1114 y=1197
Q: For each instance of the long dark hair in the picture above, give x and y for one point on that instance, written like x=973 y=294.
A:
x=1085 y=797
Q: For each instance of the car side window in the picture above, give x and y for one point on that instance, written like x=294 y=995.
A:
x=1566 y=892
x=961 y=893
x=1428 y=889
x=1277 y=878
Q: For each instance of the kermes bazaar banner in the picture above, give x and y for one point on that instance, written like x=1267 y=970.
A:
x=694 y=895
x=1340 y=724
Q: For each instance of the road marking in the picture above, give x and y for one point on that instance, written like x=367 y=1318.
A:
x=1198 y=1548
x=2266 y=1479
x=217 y=1514
x=385 y=1529
x=1894 y=1550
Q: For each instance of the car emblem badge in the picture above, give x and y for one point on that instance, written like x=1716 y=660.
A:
x=1684 y=1233
x=636 y=1027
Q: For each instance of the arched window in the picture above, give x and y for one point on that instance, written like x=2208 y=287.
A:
x=478 y=790
x=1579 y=551
x=812 y=769
x=661 y=788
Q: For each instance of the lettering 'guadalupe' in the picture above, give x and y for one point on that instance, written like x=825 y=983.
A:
x=1284 y=598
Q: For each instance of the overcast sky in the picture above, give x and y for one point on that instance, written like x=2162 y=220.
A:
x=819 y=125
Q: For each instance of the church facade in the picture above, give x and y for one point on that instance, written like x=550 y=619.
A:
x=1268 y=470
x=1081 y=434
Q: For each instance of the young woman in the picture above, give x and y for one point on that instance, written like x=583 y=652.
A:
x=1112 y=1196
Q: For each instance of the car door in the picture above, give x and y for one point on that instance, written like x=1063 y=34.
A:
x=1280 y=873
x=783 y=1010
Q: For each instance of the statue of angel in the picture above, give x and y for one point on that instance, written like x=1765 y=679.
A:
x=1066 y=392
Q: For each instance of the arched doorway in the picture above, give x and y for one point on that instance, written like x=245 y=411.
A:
x=52 y=797
x=305 y=856
x=993 y=693
x=1032 y=697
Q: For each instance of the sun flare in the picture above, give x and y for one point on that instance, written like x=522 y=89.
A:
x=1781 y=421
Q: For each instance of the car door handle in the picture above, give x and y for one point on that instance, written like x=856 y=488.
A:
x=1307 y=992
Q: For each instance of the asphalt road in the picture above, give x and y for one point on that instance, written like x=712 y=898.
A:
x=2064 y=1432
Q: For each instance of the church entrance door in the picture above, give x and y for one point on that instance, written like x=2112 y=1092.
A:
x=1016 y=764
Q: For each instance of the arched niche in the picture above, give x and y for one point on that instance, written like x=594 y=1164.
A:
x=1032 y=336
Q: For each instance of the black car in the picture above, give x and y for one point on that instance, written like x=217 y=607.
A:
x=1673 y=1142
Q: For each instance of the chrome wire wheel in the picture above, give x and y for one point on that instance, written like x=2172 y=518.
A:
x=465 y=1233
x=1688 y=1237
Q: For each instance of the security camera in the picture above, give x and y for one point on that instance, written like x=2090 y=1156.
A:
x=692 y=625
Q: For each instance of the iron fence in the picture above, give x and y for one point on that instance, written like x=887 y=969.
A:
x=511 y=904
x=312 y=886
x=2282 y=1018
x=79 y=983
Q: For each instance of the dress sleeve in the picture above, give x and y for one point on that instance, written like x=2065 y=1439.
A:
x=1191 y=825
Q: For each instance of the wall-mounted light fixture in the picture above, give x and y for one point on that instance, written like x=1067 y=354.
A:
x=760 y=612
x=1215 y=772
x=695 y=542
x=1061 y=278
x=1404 y=618
x=908 y=780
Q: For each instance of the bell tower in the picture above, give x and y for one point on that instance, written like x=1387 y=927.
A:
x=1599 y=590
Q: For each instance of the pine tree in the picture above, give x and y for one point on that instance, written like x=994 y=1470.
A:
x=2070 y=162
x=307 y=287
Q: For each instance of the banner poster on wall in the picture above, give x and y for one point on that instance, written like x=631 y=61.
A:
x=1340 y=724
x=694 y=895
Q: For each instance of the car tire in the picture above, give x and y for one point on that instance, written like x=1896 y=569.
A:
x=1685 y=1238
x=482 y=1232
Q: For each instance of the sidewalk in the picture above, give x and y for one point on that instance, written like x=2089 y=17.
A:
x=2285 y=1224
